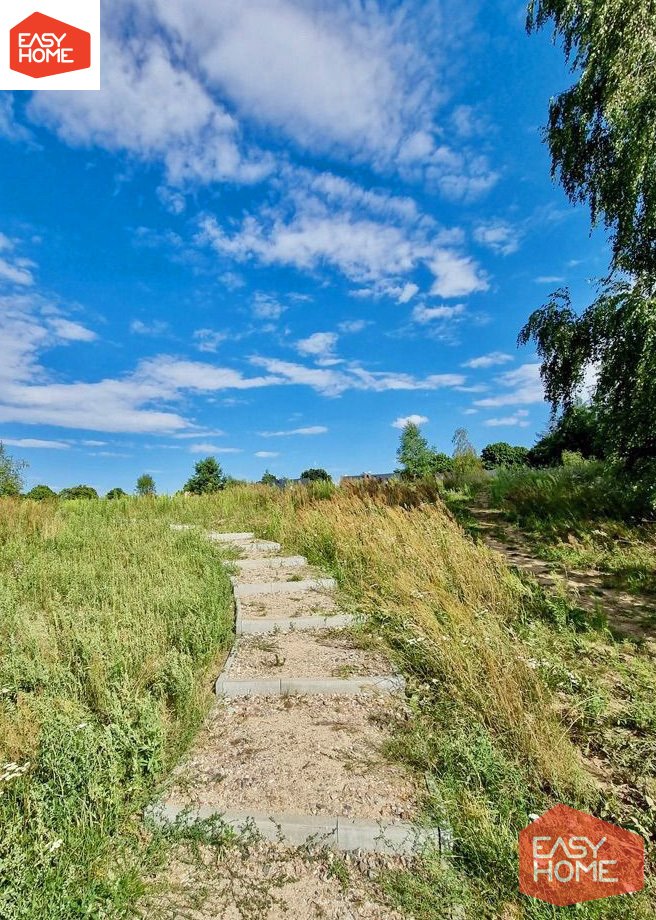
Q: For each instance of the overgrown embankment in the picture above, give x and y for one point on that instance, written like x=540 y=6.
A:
x=108 y=623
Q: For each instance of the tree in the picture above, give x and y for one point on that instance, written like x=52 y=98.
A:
x=11 y=480
x=503 y=454
x=315 y=475
x=86 y=492
x=414 y=454
x=207 y=478
x=602 y=130
x=576 y=429
x=616 y=335
x=41 y=494
x=268 y=479
x=146 y=486
x=116 y=493
x=467 y=467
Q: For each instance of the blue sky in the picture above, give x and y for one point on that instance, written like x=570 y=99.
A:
x=278 y=230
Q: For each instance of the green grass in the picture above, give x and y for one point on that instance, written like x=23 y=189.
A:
x=109 y=624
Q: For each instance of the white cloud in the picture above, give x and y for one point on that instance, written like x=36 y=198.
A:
x=489 y=360
x=522 y=386
x=156 y=327
x=470 y=412
x=456 y=275
x=408 y=292
x=267 y=307
x=423 y=314
x=35 y=443
x=187 y=435
x=549 y=279
x=266 y=453
x=499 y=236
x=156 y=110
x=320 y=346
x=352 y=325
x=409 y=420
x=208 y=340
x=213 y=449
x=517 y=419
x=10 y=129
x=310 y=430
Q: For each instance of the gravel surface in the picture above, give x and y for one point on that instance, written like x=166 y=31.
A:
x=298 y=654
x=267 y=574
x=280 y=606
x=319 y=755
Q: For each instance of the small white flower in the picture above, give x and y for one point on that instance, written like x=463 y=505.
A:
x=82 y=725
x=54 y=845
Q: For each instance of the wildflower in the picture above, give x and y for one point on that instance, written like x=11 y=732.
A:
x=54 y=845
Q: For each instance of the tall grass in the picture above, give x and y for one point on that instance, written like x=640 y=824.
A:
x=109 y=621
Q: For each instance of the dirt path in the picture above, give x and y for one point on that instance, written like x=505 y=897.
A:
x=627 y=614
x=291 y=759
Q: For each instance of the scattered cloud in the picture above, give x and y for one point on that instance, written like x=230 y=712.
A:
x=402 y=421
x=522 y=386
x=321 y=347
x=310 y=430
x=499 y=236
x=470 y=412
x=264 y=454
x=35 y=443
x=549 y=279
x=456 y=275
x=352 y=325
x=154 y=328
x=491 y=359
x=208 y=340
x=518 y=418
x=267 y=307
x=423 y=314
x=213 y=449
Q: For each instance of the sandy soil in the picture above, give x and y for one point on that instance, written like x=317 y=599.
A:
x=268 y=881
x=280 y=606
x=298 y=654
x=268 y=574
x=298 y=755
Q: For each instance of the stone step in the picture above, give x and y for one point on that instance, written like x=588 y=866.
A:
x=273 y=562
x=283 y=587
x=251 y=627
x=257 y=546
x=347 y=686
x=342 y=834
x=229 y=537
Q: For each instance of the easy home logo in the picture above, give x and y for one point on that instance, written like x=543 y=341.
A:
x=56 y=46
x=566 y=857
x=40 y=46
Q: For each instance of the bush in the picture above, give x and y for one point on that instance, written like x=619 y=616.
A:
x=11 y=480
x=315 y=475
x=41 y=494
x=78 y=492
x=116 y=493
x=503 y=454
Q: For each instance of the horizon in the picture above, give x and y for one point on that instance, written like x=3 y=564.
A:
x=339 y=220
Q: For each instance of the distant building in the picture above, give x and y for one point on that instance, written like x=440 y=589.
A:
x=377 y=477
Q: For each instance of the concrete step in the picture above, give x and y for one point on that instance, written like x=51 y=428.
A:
x=229 y=537
x=273 y=562
x=348 y=686
x=250 y=627
x=284 y=587
x=343 y=834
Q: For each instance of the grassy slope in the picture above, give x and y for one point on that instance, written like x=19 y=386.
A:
x=509 y=689
x=109 y=623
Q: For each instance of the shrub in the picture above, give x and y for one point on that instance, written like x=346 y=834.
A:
x=41 y=494
x=315 y=475
x=503 y=454
x=208 y=477
x=268 y=479
x=116 y=493
x=78 y=492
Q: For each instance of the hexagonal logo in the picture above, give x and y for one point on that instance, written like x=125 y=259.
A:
x=41 y=46
x=566 y=857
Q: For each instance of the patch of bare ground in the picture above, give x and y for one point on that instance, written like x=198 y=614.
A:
x=299 y=755
x=265 y=574
x=280 y=606
x=265 y=881
x=298 y=654
x=627 y=614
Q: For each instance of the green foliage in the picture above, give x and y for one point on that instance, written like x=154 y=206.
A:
x=146 y=486
x=105 y=638
x=268 y=479
x=503 y=454
x=575 y=429
x=315 y=475
x=616 y=334
x=41 y=494
x=467 y=470
x=602 y=130
x=417 y=458
x=116 y=493
x=11 y=480
x=207 y=478
x=87 y=492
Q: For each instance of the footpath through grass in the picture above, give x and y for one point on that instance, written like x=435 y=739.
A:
x=109 y=622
